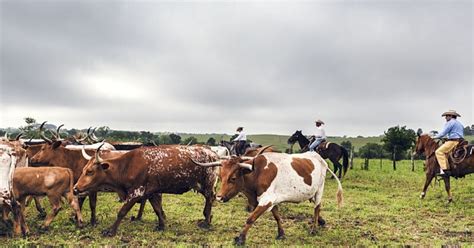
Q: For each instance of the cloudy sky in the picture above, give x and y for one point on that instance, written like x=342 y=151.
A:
x=272 y=67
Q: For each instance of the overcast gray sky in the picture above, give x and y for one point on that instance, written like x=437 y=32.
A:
x=272 y=67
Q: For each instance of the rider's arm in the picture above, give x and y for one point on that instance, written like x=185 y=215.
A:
x=447 y=127
x=238 y=137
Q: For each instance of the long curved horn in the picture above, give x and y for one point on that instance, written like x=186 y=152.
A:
x=19 y=136
x=263 y=149
x=154 y=143
x=6 y=136
x=93 y=137
x=246 y=157
x=57 y=131
x=87 y=135
x=245 y=166
x=210 y=164
x=97 y=157
x=85 y=155
x=42 y=134
x=225 y=157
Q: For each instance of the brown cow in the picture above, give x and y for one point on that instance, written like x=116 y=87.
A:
x=57 y=155
x=272 y=178
x=147 y=171
x=54 y=182
x=252 y=152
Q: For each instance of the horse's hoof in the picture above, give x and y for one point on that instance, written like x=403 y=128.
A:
x=108 y=233
x=94 y=223
x=203 y=224
x=159 y=228
x=422 y=195
x=239 y=240
x=281 y=235
x=450 y=200
x=133 y=218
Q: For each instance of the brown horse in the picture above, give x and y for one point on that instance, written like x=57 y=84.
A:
x=426 y=145
x=332 y=151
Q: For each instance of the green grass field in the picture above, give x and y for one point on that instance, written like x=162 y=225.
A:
x=381 y=207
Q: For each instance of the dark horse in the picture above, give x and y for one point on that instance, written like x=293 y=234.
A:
x=331 y=151
x=232 y=146
x=426 y=145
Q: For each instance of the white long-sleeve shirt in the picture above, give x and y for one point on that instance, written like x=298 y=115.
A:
x=320 y=133
x=242 y=136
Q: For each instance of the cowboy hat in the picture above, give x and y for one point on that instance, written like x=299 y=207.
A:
x=319 y=121
x=240 y=128
x=451 y=112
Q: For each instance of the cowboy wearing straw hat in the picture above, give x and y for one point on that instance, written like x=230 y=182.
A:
x=454 y=131
x=320 y=135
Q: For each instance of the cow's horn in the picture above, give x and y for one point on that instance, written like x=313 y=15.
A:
x=245 y=166
x=224 y=157
x=42 y=134
x=57 y=131
x=85 y=155
x=87 y=135
x=263 y=149
x=210 y=164
x=246 y=157
x=93 y=137
x=6 y=136
x=97 y=157
x=19 y=136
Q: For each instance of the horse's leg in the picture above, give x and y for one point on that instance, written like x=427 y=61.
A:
x=429 y=178
x=447 y=185
x=337 y=166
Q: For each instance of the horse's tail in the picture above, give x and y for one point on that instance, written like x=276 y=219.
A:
x=345 y=159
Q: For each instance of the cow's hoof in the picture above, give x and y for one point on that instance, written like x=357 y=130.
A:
x=80 y=225
x=249 y=208
x=321 y=222
x=43 y=229
x=313 y=231
x=203 y=224
x=159 y=228
x=41 y=215
x=108 y=233
x=239 y=240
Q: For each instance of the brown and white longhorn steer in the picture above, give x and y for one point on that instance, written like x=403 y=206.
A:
x=53 y=182
x=146 y=172
x=272 y=178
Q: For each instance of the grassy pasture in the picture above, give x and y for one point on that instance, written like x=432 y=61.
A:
x=381 y=207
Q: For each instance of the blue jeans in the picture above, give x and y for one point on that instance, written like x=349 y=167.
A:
x=315 y=143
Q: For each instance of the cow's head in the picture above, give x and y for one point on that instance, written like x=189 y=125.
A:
x=95 y=173
x=46 y=154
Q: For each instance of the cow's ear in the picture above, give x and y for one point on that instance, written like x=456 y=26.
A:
x=56 y=144
x=104 y=166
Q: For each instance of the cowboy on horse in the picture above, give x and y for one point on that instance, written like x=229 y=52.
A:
x=454 y=132
x=319 y=135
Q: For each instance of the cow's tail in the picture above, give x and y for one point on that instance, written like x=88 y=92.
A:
x=339 y=196
x=345 y=160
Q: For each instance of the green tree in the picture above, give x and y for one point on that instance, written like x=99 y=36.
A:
x=175 y=139
x=347 y=145
x=30 y=130
x=211 y=141
x=165 y=140
x=397 y=141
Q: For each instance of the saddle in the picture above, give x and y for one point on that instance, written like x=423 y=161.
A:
x=460 y=152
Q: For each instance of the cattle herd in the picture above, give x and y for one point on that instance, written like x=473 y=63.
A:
x=59 y=168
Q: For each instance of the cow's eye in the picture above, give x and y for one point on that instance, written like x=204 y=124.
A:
x=89 y=173
x=232 y=179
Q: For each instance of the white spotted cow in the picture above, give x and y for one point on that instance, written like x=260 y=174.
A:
x=273 y=178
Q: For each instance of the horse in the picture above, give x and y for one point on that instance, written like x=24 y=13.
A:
x=427 y=146
x=329 y=150
x=232 y=146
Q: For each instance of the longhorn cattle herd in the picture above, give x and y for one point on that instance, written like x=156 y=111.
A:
x=66 y=168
